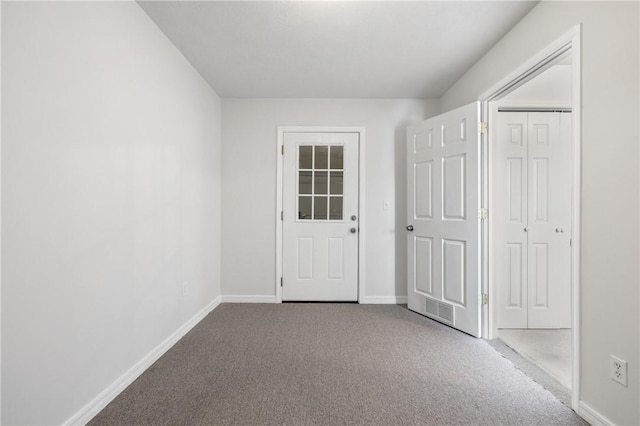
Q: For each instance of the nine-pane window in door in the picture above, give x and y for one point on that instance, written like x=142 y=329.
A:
x=320 y=182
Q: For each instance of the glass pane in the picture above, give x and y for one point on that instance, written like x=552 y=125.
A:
x=335 y=183
x=305 y=160
x=304 y=208
x=320 y=208
x=320 y=184
x=322 y=157
x=304 y=182
x=335 y=208
x=336 y=157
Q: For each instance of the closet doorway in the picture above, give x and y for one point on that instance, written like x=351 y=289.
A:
x=531 y=172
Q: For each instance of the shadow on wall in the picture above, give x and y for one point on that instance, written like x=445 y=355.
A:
x=400 y=152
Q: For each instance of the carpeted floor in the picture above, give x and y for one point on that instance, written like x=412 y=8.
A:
x=251 y=364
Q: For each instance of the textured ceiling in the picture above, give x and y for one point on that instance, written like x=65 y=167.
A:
x=334 y=49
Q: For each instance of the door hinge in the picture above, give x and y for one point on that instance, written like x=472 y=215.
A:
x=281 y=215
x=281 y=282
x=484 y=213
x=482 y=127
x=282 y=149
x=485 y=299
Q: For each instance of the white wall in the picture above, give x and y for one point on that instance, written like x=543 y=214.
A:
x=249 y=185
x=552 y=87
x=610 y=155
x=110 y=199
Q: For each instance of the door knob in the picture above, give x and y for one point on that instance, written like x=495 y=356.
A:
x=410 y=228
x=526 y=229
x=352 y=230
x=353 y=217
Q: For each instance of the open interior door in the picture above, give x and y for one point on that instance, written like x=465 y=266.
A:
x=443 y=218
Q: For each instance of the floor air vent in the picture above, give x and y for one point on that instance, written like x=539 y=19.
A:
x=432 y=307
x=440 y=310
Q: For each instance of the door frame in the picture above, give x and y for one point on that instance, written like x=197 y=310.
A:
x=281 y=130
x=569 y=42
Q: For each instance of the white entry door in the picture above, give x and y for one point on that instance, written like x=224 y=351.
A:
x=443 y=222
x=320 y=217
x=531 y=189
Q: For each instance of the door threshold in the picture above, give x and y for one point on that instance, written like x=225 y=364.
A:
x=531 y=370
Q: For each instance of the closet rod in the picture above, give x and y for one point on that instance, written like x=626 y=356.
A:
x=523 y=109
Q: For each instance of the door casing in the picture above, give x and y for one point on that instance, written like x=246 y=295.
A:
x=281 y=130
x=569 y=42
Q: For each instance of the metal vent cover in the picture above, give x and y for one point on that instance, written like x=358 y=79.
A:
x=442 y=311
x=445 y=312
x=432 y=307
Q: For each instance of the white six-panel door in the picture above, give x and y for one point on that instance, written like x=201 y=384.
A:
x=320 y=217
x=549 y=220
x=443 y=223
x=532 y=219
x=509 y=189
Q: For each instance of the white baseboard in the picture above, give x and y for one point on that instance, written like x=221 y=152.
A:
x=90 y=410
x=372 y=300
x=248 y=299
x=592 y=416
x=384 y=300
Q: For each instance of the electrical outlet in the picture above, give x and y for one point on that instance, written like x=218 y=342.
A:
x=185 y=288
x=618 y=370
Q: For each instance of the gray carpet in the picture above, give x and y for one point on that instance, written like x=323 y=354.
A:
x=298 y=364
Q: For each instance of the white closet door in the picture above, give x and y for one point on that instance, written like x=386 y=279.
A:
x=531 y=188
x=549 y=220
x=510 y=218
